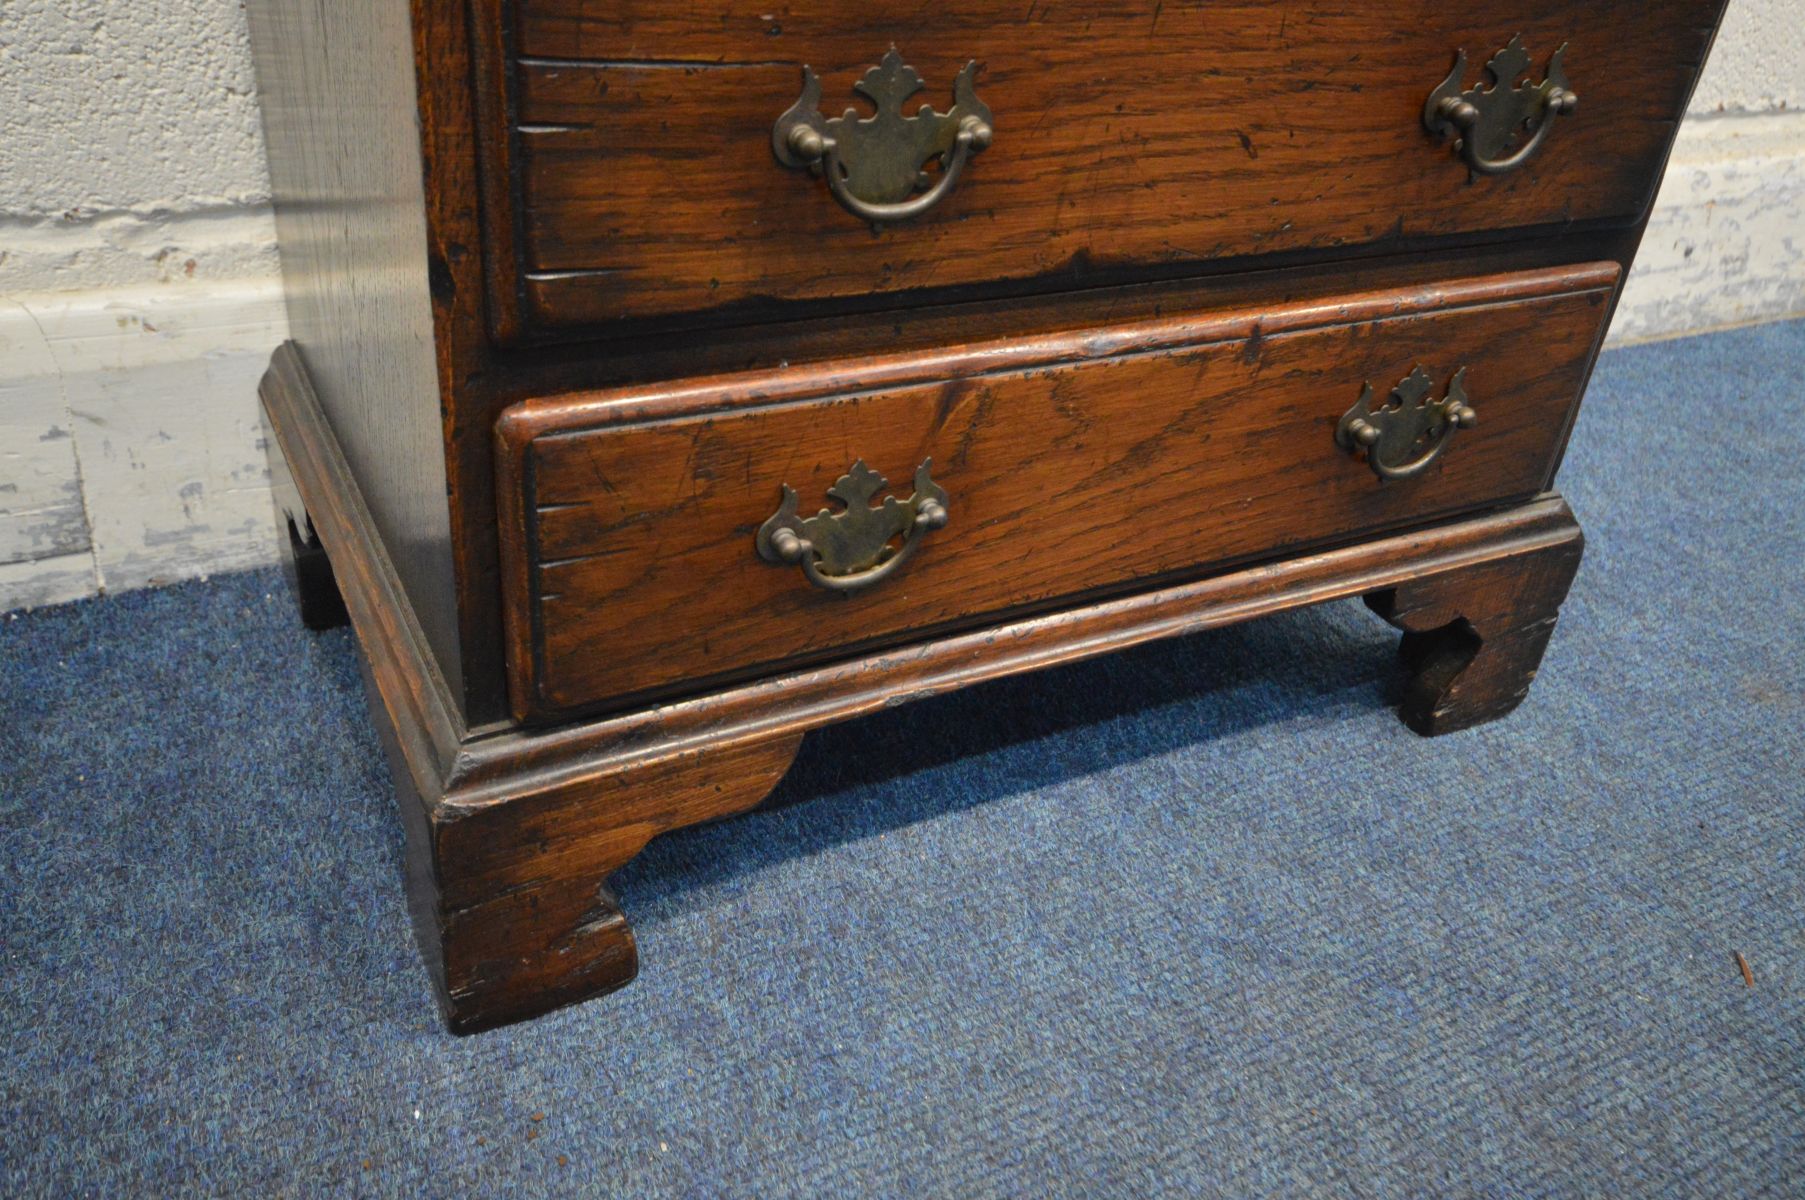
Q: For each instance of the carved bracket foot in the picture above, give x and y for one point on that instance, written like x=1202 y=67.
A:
x=304 y=559
x=517 y=903
x=1474 y=637
x=310 y=574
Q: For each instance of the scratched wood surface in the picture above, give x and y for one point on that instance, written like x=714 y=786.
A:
x=344 y=155
x=1074 y=464
x=1129 y=136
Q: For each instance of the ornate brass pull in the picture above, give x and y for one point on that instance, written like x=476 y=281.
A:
x=874 y=167
x=1484 y=121
x=1408 y=431
x=852 y=550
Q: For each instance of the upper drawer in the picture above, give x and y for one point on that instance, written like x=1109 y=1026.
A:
x=1128 y=138
x=670 y=536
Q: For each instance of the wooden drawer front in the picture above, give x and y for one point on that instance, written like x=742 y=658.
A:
x=1072 y=464
x=1129 y=138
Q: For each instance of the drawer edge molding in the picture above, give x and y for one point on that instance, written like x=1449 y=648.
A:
x=530 y=419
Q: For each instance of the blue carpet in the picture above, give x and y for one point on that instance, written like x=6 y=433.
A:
x=1198 y=919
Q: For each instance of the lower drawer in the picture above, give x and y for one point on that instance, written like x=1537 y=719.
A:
x=661 y=539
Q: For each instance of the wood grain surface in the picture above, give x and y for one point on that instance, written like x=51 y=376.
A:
x=1129 y=136
x=1473 y=640
x=1074 y=464
x=350 y=214
x=511 y=836
x=572 y=328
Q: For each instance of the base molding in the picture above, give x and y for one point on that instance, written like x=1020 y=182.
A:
x=513 y=833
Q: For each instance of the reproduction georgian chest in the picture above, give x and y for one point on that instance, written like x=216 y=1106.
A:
x=669 y=379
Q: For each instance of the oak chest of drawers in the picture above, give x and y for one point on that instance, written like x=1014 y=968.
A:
x=670 y=379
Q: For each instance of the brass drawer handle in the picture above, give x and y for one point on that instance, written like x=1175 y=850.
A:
x=874 y=167
x=1408 y=431
x=852 y=550
x=1485 y=121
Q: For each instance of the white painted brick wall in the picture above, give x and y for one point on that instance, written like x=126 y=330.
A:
x=130 y=145
x=1726 y=243
x=139 y=296
x=139 y=291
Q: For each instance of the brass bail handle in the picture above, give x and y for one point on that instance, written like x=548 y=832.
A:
x=854 y=549
x=1486 y=121
x=876 y=167
x=1407 y=431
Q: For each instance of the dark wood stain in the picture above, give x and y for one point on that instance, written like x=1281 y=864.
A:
x=1202 y=455
x=512 y=834
x=647 y=187
x=564 y=326
x=350 y=204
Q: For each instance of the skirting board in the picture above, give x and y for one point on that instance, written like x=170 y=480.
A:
x=1726 y=243
x=131 y=449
